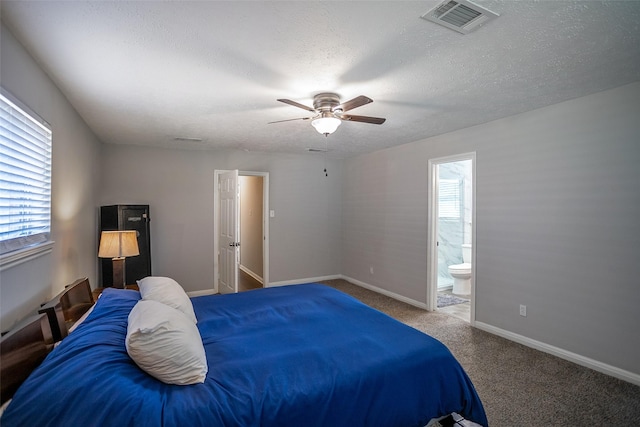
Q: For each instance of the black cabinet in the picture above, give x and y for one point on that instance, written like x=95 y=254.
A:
x=127 y=217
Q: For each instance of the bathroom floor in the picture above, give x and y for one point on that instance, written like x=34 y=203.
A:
x=461 y=311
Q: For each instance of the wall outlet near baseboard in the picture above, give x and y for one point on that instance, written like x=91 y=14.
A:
x=523 y=310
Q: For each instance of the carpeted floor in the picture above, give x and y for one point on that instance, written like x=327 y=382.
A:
x=519 y=386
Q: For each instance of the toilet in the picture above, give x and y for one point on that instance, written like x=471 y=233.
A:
x=461 y=273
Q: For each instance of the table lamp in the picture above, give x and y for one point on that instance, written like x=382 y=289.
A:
x=118 y=245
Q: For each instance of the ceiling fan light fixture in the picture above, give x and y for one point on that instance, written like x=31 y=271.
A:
x=327 y=124
x=330 y=111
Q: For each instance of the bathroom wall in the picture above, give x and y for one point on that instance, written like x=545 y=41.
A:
x=454 y=228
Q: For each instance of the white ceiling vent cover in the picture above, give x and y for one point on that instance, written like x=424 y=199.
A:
x=459 y=15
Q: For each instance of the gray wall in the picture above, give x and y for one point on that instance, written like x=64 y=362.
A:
x=558 y=222
x=251 y=191
x=75 y=174
x=178 y=185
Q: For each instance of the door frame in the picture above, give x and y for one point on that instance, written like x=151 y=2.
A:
x=265 y=223
x=432 y=231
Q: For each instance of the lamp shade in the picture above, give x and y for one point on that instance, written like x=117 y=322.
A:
x=326 y=125
x=118 y=244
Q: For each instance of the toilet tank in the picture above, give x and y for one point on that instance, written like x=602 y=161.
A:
x=466 y=253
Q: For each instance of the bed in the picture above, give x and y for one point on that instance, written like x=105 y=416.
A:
x=284 y=356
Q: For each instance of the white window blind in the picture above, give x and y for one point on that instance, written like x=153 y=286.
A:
x=25 y=176
x=449 y=198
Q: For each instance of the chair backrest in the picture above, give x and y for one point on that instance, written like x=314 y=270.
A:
x=67 y=307
x=76 y=300
x=22 y=350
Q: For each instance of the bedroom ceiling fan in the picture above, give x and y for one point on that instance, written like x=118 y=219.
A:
x=329 y=112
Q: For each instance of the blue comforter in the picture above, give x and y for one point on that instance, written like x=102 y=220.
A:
x=301 y=355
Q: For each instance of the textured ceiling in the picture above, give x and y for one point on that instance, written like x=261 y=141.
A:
x=146 y=73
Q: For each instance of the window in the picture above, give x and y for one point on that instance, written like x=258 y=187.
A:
x=449 y=199
x=25 y=176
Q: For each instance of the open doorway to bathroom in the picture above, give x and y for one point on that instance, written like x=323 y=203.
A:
x=451 y=231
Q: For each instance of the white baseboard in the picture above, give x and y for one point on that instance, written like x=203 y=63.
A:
x=546 y=348
x=251 y=273
x=521 y=339
x=385 y=292
x=355 y=282
x=563 y=354
x=201 y=293
x=307 y=280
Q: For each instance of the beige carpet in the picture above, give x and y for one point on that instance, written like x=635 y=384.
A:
x=518 y=386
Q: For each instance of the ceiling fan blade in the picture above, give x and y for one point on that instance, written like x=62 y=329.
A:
x=363 y=119
x=290 y=120
x=354 y=103
x=296 y=104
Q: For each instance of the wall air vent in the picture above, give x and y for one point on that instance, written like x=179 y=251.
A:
x=459 y=15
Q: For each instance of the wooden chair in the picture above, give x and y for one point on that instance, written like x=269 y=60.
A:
x=22 y=350
x=67 y=307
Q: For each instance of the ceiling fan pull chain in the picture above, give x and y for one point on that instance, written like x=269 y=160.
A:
x=325 y=157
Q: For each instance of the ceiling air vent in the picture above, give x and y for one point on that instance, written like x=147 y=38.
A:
x=459 y=15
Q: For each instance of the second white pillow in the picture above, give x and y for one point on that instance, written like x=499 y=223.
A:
x=167 y=291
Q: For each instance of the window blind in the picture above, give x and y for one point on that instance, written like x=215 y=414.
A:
x=25 y=176
x=449 y=198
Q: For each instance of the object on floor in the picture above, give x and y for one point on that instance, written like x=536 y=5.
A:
x=445 y=300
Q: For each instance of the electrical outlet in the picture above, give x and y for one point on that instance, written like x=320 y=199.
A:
x=371 y=270
x=523 y=310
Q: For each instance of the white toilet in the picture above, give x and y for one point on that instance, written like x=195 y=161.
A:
x=461 y=273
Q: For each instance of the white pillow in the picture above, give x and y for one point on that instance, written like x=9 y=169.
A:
x=165 y=344
x=167 y=291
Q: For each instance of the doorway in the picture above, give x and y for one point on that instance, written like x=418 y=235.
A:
x=451 y=266
x=250 y=263
x=241 y=217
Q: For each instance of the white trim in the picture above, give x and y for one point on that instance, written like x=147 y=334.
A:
x=251 y=273
x=20 y=256
x=216 y=226
x=192 y=294
x=26 y=109
x=432 y=240
x=356 y=282
x=520 y=339
x=301 y=281
x=563 y=354
x=393 y=295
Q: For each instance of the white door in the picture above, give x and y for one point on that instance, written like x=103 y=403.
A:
x=228 y=232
